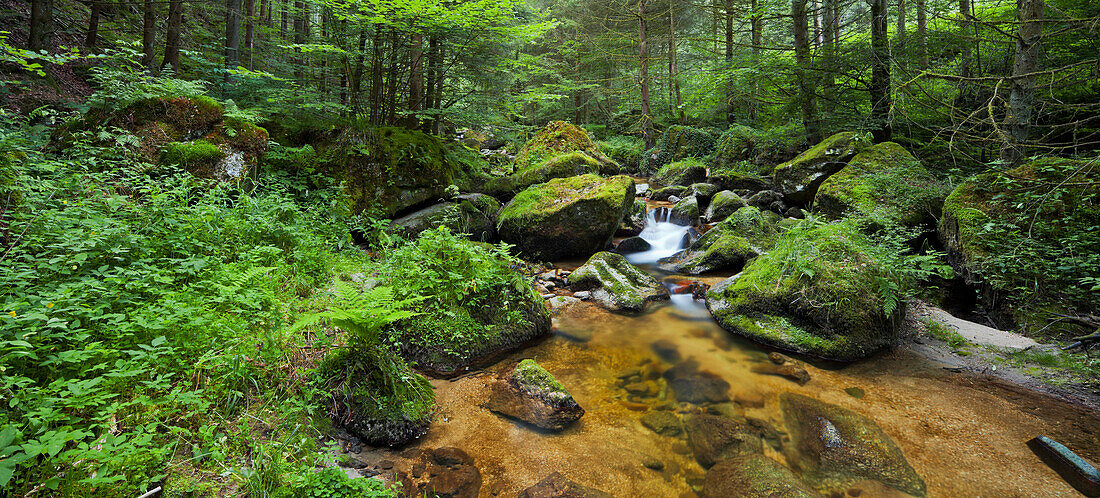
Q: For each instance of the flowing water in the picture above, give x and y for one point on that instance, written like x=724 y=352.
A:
x=964 y=434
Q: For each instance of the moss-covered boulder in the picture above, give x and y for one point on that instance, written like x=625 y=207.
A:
x=473 y=215
x=1029 y=238
x=835 y=448
x=527 y=392
x=617 y=284
x=663 y=194
x=566 y=217
x=558 y=138
x=685 y=172
x=753 y=476
x=189 y=131
x=885 y=185
x=821 y=290
x=799 y=178
x=730 y=244
x=679 y=142
x=478 y=307
x=561 y=166
x=366 y=407
x=722 y=205
x=685 y=211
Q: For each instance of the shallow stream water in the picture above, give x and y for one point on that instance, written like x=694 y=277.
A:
x=964 y=434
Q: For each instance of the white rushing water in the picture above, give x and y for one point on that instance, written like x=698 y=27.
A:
x=665 y=238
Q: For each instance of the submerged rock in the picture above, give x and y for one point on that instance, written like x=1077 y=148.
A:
x=722 y=205
x=771 y=303
x=617 y=284
x=715 y=438
x=557 y=486
x=729 y=245
x=451 y=474
x=835 y=448
x=566 y=217
x=799 y=178
x=663 y=423
x=529 y=393
x=753 y=476
x=690 y=385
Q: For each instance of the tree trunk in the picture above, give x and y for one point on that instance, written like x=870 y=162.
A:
x=357 y=74
x=756 y=24
x=673 y=77
x=416 y=78
x=817 y=23
x=284 y=19
x=394 y=73
x=1021 y=98
x=430 y=81
x=172 y=37
x=92 y=37
x=301 y=14
x=806 y=84
x=829 y=55
x=643 y=58
x=376 y=77
x=922 y=32
x=901 y=20
x=250 y=28
x=965 y=56
x=41 y=25
x=232 y=35
x=148 y=34
x=730 y=117
x=880 y=73
x=437 y=120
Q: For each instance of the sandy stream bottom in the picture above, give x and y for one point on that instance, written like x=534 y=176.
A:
x=965 y=435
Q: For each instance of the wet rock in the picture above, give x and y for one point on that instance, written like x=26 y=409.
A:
x=674 y=198
x=582 y=295
x=663 y=423
x=733 y=242
x=558 y=302
x=723 y=204
x=854 y=392
x=566 y=217
x=749 y=399
x=645 y=389
x=666 y=350
x=452 y=474
x=764 y=199
x=835 y=447
x=693 y=386
x=635 y=222
x=753 y=476
x=713 y=438
x=557 y=486
x=784 y=367
x=704 y=191
x=663 y=194
x=686 y=211
x=799 y=178
x=632 y=245
x=529 y=393
x=617 y=284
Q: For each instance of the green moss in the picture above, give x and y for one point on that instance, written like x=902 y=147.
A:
x=799 y=178
x=539 y=200
x=736 y=144
x=244 y=136
x=556 y=138
x=685 y=172
x=531 y=374
x=622 y=286
x=679 y=142
x=302 y=158
x=188 y=154
x=885 y=185
x=779 y=330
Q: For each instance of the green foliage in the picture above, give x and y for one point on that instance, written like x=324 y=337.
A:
x=679 y=142
x=938 y=330
x=334 y=483
x=191 y=153
x=624 y=150
x=121 y=81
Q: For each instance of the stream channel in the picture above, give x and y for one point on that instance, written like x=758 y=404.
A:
x=963 y=433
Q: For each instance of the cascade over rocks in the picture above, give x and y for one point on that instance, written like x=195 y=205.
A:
x=799 y=178
x=566 y=217
x=771 y=303
x=616 y=284
x=527 y=392
x=742 y=236
x=836 y=448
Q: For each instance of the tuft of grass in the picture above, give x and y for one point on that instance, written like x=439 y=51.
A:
x=953 y=339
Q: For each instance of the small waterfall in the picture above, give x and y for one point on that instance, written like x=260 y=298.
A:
x=665 y=238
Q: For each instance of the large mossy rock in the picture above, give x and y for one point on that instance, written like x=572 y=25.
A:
x=685 y=212
x=188 y=131
x=722 y=205
x=885 y=185
x=561 y=166
x=478 y=308
x=799 y=178
x=819 y=291
x=835 y=448
x=566 y=217
x=617 y=284
x=679 y=142
x=1030 y=238
x=558 y=138
x=731 y=243
x=527 y=392
x=682 y=173
x=753 y=476
x=471 y=214
x=367 y=408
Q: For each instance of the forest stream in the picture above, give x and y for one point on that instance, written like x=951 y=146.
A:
x=963 y=433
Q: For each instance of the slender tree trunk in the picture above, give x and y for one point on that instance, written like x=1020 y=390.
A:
x=829 y=56
x=817 y=23
x=922 y=32
x=301 y=16
x=232 y=35
x=94 y=9
x=1022 y=96
x=673 y=75
x=41 y=25
x=901 y=20
x=250 y=28
x=148 y=34
x=172 y=37
x=730 y=116
x=376 y=78
x=416 y=78
x=391 y=83
x=807 y=88
x=880 y=72
x=429 y=82
x=967 y=54
x=756 y=24
x=284 y=18
x=437 y=120
x=357 y=75
x=643 y=59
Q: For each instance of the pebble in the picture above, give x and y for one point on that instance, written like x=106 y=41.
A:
x=652 y=463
